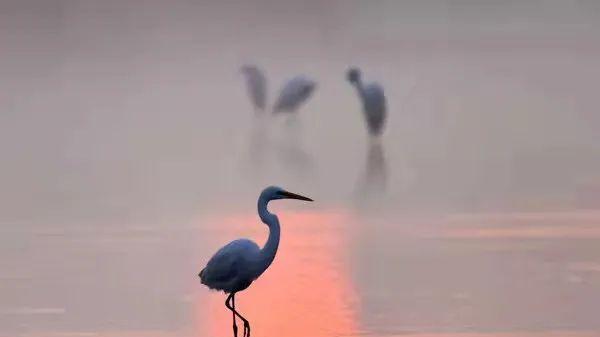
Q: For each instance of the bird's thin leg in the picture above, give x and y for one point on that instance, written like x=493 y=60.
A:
x=235 y=328
x=231 y=298
x=246 y=324
x=247 y=328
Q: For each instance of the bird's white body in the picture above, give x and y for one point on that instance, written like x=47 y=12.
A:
x=373 y=102
x=294 y=93
x=230 y=269
x=256 y=84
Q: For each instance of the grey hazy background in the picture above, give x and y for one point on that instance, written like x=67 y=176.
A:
x=124 y=109
x=124 y=122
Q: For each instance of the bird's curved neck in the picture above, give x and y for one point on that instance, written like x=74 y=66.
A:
x=358 y=84
x=267 y=253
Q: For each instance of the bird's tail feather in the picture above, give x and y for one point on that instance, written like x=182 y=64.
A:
x=201 y=274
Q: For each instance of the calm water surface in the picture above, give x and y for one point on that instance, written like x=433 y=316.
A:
x=125 y=129
x=338 y=273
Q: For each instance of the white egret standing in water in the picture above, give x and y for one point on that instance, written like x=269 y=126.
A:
x=373 y=101
x=256 y=84
x=295 y=92
x=235 y=266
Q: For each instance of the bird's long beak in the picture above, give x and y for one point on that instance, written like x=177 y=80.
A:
x=290 y=195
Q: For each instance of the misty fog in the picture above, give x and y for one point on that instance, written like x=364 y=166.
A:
x=116 y=110
x=130 y=151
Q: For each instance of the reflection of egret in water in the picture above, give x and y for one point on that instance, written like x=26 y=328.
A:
x=235 y=266
x=373 y=182
x=258 y=146
x=308 y=290
x=291 y=151
x=296 y=159
x=256 y=83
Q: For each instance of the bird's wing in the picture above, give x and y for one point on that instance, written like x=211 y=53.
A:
x=294 y=92
x=227 y=263
x=286 y=98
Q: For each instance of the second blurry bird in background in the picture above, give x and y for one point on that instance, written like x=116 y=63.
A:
x=292 y=95
x=290 y=149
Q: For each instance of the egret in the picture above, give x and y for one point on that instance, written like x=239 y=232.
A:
x=295 y=92
x=235 y=266
x=373 y=101
x=256 y=84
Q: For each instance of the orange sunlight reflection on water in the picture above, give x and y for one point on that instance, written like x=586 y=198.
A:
x=307 y=291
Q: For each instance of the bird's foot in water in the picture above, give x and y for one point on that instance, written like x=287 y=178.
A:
x=246 y=329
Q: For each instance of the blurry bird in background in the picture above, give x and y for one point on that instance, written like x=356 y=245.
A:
x=374 y=179
x=235 y=266
x=256 y=83
x=373 y=102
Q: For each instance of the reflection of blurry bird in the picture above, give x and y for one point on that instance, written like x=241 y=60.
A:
x=258 y=149
x=257 y=86
x=295 y=92
x=235 y=266
x=296 y=160
x=373 y=101
x=373 y=183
